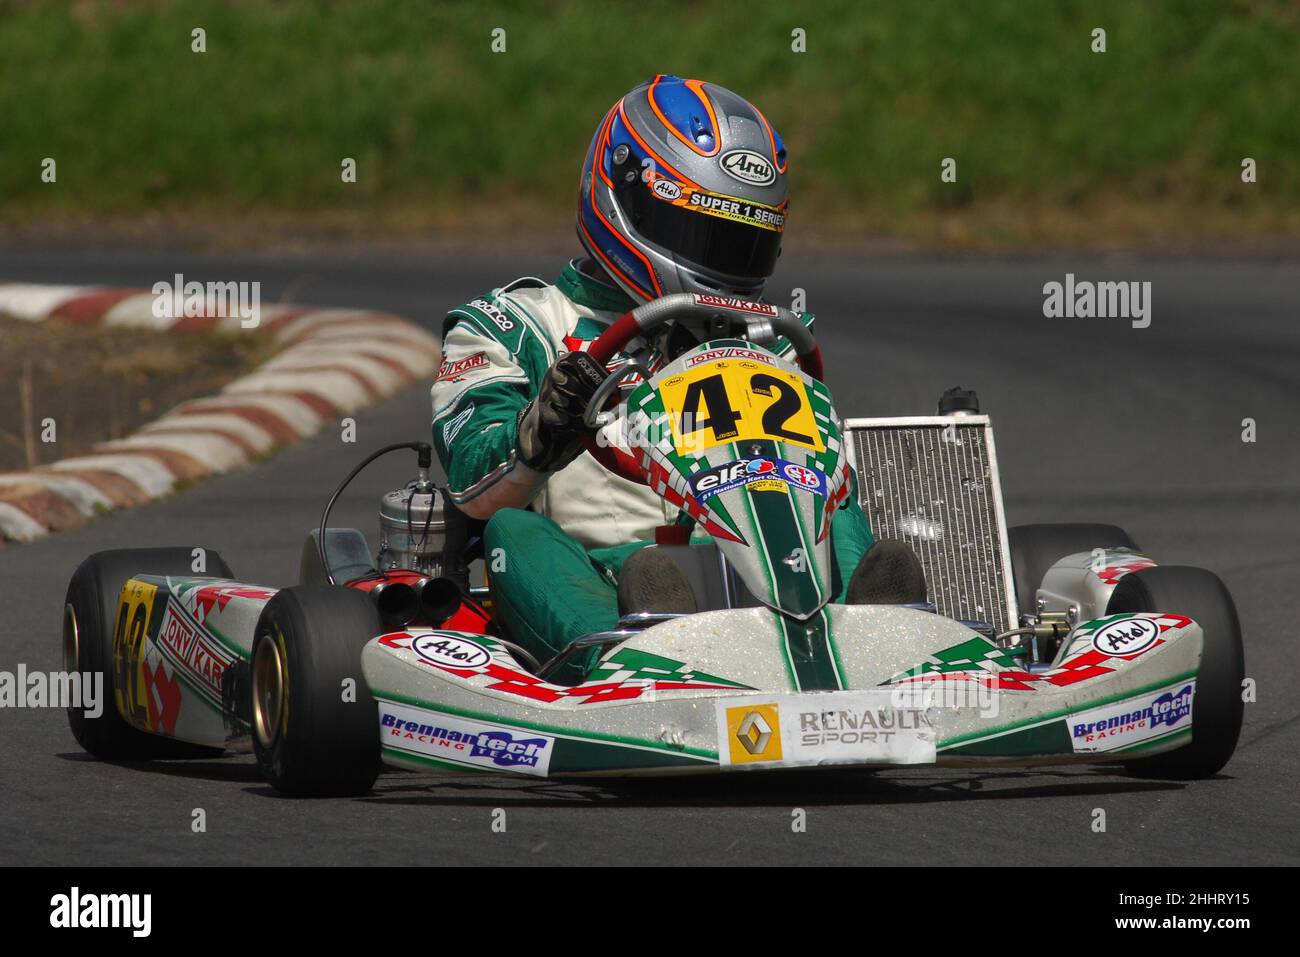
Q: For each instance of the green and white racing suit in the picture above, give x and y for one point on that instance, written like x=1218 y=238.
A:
x=554 y=567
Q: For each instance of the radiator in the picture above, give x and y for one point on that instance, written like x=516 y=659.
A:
x=932 y=482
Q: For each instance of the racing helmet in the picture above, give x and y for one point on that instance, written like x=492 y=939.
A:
x=684 y=190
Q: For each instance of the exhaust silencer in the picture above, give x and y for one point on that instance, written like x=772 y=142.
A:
x=397 y=602
x=439 y=599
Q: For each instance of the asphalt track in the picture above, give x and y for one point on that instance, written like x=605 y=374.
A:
x=1096 y=421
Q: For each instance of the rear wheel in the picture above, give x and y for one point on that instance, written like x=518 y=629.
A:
x=1036 y=548
x=1217 y=704
x=89 y=618
x=315 y=724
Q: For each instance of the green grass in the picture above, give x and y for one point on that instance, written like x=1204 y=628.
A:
x=440 y=124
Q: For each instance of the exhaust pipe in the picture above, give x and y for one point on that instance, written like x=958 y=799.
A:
x=439 y=599
x=397 y=602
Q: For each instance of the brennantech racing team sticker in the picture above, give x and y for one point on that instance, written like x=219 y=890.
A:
x=835 y=727
x=473 y=744
x=1135 y=720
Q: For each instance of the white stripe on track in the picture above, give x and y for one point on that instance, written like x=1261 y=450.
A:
x=337 y=388
x=85 y=498
x=237 y=425
x=213 y=452
x=17 y=525
x=294 y=413
x=34 y=303
x=152 y=477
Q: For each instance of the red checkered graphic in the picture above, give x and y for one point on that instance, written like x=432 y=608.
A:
x=1111 y=574
x=835 y=500
x=659 y=478
x=1090 y=663
x=201 y=601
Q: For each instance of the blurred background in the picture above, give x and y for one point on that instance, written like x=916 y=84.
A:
x=1055 y=144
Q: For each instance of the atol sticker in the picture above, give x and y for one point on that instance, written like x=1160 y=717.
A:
x=1126 y=638
x=450 y=650
x=666 y=189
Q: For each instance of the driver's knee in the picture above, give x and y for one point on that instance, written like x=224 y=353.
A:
x=519 y=545
x=517 y=531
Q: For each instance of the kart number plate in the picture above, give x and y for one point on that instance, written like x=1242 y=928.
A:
x=736 y=401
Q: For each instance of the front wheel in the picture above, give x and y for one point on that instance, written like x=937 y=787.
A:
x=1217 y=704
x=315 y=724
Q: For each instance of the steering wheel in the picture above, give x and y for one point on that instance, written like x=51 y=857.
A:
x=764 y=323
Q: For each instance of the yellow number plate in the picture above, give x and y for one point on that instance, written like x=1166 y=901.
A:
x=735 y=401
x=135 y=608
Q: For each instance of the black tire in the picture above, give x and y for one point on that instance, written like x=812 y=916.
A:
x=1036 y=548
x=1217 y=704
x=309 y=741
x=89 y=617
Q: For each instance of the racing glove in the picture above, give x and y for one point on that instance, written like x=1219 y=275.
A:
x=550 y=427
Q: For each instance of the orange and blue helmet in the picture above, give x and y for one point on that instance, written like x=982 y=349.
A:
x=684 y=190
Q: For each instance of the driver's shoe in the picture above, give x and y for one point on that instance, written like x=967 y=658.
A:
x=650 y=581
x=888 y=574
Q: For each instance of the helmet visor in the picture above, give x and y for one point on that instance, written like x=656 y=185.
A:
x=716 y=233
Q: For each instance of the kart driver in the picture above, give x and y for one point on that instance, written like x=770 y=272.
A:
x=683 y=190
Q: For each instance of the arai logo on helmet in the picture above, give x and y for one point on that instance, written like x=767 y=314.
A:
x=748 y=167
x=447 y=650
x=667 y=189
x=1126 y=637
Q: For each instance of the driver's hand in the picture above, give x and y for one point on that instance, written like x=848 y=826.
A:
x=551 y=427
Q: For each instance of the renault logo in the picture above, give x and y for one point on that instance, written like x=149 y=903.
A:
x=754 y=733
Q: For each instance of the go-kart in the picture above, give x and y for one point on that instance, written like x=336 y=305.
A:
x=1037 y=645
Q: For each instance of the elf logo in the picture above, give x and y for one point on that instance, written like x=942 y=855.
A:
x=748 y=167
x=722 y=478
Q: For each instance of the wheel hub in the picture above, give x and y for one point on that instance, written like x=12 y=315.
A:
x=268 y=691
x=71 y=640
